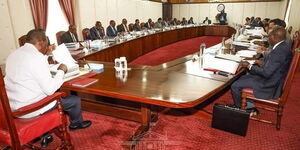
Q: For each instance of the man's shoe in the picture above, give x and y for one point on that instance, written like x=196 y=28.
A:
x=253 y=111
x=81 y=125
x=45 y=140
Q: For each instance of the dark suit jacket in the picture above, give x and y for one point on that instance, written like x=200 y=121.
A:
x=209 y=21
x=110 y=31
x=190 y=22
x=120 y=28
x=147 y=25
x=66 y=38
x=136 y=27
x=270 y=77
x=95 y=35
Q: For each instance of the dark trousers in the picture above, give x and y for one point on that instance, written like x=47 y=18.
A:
x=72 y=106
x=246 y=81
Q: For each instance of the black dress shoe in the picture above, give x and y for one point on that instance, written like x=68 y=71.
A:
x=81 y=125
x=253 y=111
x=45 y=140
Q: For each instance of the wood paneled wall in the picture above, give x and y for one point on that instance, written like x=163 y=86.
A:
x=236 y=12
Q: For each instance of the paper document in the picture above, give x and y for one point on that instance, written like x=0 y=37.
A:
x=246 y=53
x=62 y=55
x=241 y=44
x=229 y=57
x=221 y=64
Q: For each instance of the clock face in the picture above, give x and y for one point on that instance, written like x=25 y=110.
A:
x=220 y=7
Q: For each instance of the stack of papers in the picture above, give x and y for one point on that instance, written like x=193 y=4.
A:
x=242 y=44
x=246 y=53
x=62 y=55
x=229 y=57
x=221 y=64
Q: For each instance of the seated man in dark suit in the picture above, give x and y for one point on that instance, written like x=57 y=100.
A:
x=136 y=26
x=207 y=21
x=111 y=30
x=148 y=24
x=265 y=80
x=97 y=32
x=70 y=36
x=184 y=21
x=191 y=21
x=123 y=27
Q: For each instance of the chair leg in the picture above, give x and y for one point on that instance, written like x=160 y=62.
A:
x=244 y=103
x=279 y=116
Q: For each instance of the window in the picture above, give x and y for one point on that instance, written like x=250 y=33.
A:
x=56 y=21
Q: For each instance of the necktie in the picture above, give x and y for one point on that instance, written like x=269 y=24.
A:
x=125 y=27
x=73 y=37
x=113 y=30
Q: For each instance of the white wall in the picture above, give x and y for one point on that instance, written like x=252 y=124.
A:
x=90 y=11
x=236 y=12
x=16 y=20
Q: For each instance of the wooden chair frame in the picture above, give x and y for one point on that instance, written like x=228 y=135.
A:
x=274 y=105
x=61 y=131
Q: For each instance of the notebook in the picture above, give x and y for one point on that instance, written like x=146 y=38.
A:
x=84 y=82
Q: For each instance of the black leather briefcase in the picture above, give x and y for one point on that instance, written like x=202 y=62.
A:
x=230 y=119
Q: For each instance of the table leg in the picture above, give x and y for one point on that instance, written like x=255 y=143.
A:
x=145 y=126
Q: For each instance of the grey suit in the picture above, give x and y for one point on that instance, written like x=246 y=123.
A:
x=267 y=80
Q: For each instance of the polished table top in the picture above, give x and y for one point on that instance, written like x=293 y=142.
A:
x=180 y=83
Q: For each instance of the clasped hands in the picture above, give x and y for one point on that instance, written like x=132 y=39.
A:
x=246 y=64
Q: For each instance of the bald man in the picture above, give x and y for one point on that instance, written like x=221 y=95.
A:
x=123 y=26
x=265 y=80
x=70 y=36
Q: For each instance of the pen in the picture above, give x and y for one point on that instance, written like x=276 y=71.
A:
x=87 y=63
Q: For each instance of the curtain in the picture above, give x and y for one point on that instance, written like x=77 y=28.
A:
x=39 y=10
x=67 y=8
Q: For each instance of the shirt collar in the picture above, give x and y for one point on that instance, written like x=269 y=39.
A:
x=277 y=44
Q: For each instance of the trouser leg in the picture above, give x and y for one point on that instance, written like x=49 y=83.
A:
x=245 y=81
x=72 y=105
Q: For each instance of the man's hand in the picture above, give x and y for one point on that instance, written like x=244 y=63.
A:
x=63 y=67
x=50 y=48
x=259 y=62
x=261 y=50
x=245 y=64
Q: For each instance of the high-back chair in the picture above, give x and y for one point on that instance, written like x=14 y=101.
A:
x=58 y=36
x=296 y=40
x=130 y=27
x=18 y=133
x=85 y=33
x=274 y=105
x=22 y=40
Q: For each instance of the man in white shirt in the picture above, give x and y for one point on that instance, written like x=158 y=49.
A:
x=28 y=80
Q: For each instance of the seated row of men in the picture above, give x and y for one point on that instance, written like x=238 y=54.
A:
x=97 y=31
x=267 y=75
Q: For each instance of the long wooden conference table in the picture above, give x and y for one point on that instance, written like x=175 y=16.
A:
x=176 y=84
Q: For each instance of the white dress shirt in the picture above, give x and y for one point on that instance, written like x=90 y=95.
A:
x=28 y=79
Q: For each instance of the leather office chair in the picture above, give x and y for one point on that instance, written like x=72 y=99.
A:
x=274 y=105
x=58 y=36
x=85 y=33
x=130 y=27
x=22 y=40
x=18 y=133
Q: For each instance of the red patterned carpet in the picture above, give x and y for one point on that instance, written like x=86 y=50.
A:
x=178 y=130
x=176 y=50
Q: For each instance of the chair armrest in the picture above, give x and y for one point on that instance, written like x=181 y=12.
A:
x=40 y=104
